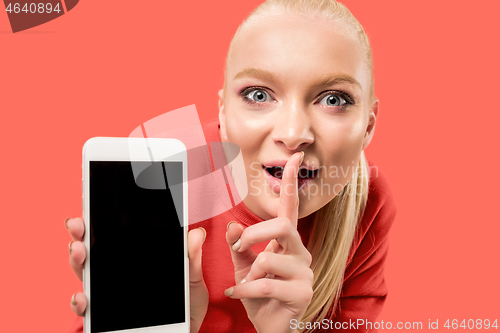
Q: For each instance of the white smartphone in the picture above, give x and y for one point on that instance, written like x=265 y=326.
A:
x=136 y=273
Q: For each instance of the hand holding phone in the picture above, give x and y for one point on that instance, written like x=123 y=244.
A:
x=198 y=290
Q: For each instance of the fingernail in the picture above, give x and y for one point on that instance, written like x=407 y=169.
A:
x=66 y=222
x=302 y=158
x=70 y=243
x=204 y=234
x=229 y=292
x=73 y=300
x=236 y=246
x=243 y=281
x=227 y=228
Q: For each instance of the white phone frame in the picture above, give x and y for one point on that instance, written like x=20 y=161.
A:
x=120 y=149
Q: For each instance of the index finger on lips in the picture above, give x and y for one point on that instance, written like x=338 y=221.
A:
x=289 y=194
x=76 y=228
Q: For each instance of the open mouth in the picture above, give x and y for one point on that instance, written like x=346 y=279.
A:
x=277 y=172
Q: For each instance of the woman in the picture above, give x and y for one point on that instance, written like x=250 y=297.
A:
x=298 y=93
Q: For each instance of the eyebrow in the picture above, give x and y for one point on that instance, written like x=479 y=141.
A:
x=326 y=80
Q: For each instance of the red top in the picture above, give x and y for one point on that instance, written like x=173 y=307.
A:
x=363 y=292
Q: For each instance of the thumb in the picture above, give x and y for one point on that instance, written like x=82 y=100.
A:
x=196 y=237
x=243 y=260
x=198 y=292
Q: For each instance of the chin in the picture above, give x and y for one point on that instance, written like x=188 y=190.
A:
x=270 y=206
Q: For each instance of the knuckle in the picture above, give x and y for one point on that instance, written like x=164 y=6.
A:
x=265 y=287
x=264 y=259
x=308 y=258
x=245 y=234
x=285 y=225
x=309 y=274
x=307 y=295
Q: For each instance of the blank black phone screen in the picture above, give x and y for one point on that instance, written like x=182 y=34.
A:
x=136 y=249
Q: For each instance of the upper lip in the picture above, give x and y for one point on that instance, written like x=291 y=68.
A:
x=281 y=163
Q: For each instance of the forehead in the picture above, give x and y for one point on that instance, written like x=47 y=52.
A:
x=298 y=48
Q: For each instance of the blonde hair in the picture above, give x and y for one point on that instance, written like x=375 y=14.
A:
x=335 y=224
x=331 y=240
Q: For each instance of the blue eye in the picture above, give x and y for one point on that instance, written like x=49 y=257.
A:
x=258 y=95
x=333 y=100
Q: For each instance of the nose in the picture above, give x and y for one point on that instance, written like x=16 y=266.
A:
x=293 y=128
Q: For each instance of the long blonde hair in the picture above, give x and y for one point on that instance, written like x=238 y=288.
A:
x=335 y=224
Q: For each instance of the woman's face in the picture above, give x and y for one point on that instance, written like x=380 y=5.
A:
x=294 y=83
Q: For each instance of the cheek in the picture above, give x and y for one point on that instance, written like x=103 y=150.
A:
x=249 y=134
x=239 y=133
x=339 y=143
x=246 y=129
x=342 y=145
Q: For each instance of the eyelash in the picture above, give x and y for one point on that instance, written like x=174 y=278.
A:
x=345 y=96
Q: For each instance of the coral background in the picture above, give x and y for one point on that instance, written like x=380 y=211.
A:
x=108 y=66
